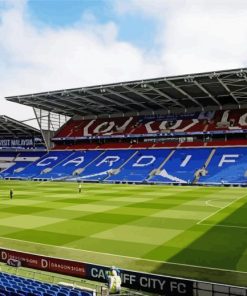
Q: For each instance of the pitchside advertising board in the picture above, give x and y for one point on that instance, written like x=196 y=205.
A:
x=135 y=280
x=146 y=282
x=20 y=142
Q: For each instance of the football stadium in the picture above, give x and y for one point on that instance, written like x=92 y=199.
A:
x=147 y=177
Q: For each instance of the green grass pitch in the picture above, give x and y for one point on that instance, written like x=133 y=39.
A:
x=194 y=232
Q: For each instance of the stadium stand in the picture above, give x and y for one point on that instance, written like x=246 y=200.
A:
x=12 y=163
x=18 y=135
x=72 y=165
x=138 y=167
x=187 y=128
x=11 y=285
x=44 y=164
x=229 y=120
x=182 y=166
x=227 y=165
x=186 y=164
x=214 y=165
x=109 y=162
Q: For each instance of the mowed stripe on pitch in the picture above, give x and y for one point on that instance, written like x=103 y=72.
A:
x=153 y=222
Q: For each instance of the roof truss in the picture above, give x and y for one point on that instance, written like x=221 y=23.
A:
x=13 y=128
x=185 y=93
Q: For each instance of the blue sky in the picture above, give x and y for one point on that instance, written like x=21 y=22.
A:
x=133 y=27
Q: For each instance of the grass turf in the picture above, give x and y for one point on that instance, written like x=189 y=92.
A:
x=194 y=232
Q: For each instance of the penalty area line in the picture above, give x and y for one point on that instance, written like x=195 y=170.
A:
x=216 y=212
x=208 y=203
x=122 y=256
x=224 y=225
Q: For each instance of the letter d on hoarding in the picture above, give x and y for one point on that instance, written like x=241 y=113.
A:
x=44 y=263
x=4 y=255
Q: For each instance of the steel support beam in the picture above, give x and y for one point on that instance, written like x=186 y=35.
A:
x=184 y=93
x=38 y=118
x=93 y=102
x=207 y=92
x=143 y=96
x=161 y=93
x=227 y=89
x=75 y=105
x=7 y=129
x=58 y=108
x=109 y=100
x=127 y=99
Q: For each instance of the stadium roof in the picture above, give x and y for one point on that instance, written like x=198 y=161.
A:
x=15 y=129
x=185 y=93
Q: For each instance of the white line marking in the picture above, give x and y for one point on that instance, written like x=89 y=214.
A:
x=224 y=225
x=123 y=256
x=210 y=205
x=216 y=212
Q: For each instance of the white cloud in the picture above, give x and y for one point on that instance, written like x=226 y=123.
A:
x=196 y=35
x=193 y=36
x=40 y=59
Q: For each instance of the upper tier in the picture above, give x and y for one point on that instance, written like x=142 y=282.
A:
x=230 y=121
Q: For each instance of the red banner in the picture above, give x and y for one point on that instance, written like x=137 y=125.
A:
x=61 y=266
x=135 y=280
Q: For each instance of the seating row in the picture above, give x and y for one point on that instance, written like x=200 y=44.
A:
x=11 y=285
x=228 y=120
x=182 y=165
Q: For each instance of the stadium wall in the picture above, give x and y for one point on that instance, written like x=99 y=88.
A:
x=152 y=283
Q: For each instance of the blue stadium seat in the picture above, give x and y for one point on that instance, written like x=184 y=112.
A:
x=18 y=286
x=138 y=168
x=182 y=165
x=100 y=169
x=17 y=294
x=227 y=166
x=46 y=162
x=61 y=294
x=74 y=293
x=76 y=161
x=10 y=289
x=54 y=289
x=18 y=160
x=10 y=172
